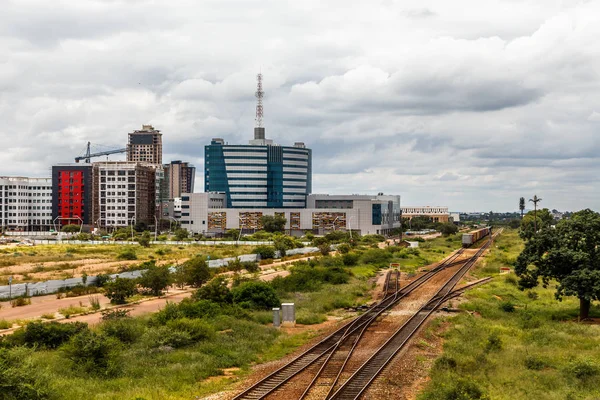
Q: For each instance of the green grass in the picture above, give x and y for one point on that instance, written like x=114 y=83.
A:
x=535 y=351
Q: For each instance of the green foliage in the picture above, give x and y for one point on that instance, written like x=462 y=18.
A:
x=144 y=239
x=461 y=389
x=21 y=378
x=273 y=223
x=127 y=253
x=528 y=223
x=282 y=243
x=447 y=228
x=583 y=368
x=94 y=354
x=379 y=257
x=126 y=330
x=324 y=248
x=154 y=279
x=344 y=248
x=102 y=279
x=265 y=252
x=181 y=234
x=71 y=228
x=119 y=289
x=196 y=271
x=48 y=335
x=255 y=295
x=114 y=314
x=507 y=306
x=4 y=324
x=570 y=254
x=162 y=336
x=307 y=277
x=421 y=222
x=350 y=259
x=216 y=291
x=197 y=329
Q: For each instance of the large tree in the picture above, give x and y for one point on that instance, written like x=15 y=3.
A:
x=539 y=219
x=273 y=223
x=569 y=254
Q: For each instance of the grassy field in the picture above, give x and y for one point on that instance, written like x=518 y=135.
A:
x=34 y=263
x=514 y=344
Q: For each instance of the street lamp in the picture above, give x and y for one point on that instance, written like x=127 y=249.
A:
x=155 y=227
x=350 y=225
x=131 y=220
x=241 y=227
x=80 y=226
x=333 y=223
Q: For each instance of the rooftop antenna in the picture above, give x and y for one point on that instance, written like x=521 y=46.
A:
x=259 y=130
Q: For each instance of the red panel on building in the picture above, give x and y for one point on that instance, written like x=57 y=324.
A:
x=70 y=192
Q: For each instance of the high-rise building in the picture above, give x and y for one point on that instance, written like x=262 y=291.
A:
x=145 y=145
x=260 y=174
x=25 y=204
x=72 y=194
x=124 y=193
x=179 y=178
x=254 y=175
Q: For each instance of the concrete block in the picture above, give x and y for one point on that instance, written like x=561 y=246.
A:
x=289 y=314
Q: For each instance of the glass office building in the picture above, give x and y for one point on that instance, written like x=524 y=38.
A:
x=258 y=175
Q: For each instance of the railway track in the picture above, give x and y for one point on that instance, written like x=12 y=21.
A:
x=362 y=378
x=349 y=333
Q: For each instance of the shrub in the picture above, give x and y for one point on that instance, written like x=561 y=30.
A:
x=445 y=363
x=71 y=228
x=126 y=330
x=4 y=324
x=102 y=279
x=258 y=295
x=583 y=368
x=344 y=248
x=265 y=252
x=511 y=279
x=196 y=271
x=20 y=302
x=120 y=289
x=127 y=254
x=196 y=328
x=162 y=336
x=94 y=302
x=378 y=257
x=48 y=335
x=72 y=310
x=94 y=354
x=310 y=318
x=534 y=363
x=20 y=377
x=494 y=343
x=350 y=259
x=110 y=315
x=144 y=239
x=532 y=295
x=324 y=248
x=216 y=291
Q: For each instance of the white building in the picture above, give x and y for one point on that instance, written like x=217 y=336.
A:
x=207 y=213
x=25 y=204
x=436 y=213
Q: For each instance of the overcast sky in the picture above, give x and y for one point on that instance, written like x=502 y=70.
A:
x=469 y=104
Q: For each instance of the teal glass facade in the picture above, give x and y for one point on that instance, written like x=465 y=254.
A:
x=258 y=176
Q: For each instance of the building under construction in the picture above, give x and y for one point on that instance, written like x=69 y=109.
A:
x=145 y=145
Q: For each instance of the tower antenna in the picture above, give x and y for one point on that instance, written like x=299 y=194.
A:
x=259 y=129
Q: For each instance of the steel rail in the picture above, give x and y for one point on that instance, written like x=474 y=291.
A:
x=362 y=378
x=322 y=349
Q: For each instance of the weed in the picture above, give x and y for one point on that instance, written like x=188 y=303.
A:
x=20 y=302
x=4 y=324
x=94 y=302
x=48 y=316
x=72 y=310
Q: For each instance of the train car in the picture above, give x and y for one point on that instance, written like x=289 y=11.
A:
x=469 y=239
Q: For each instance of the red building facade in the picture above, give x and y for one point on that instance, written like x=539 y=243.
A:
x=72 y=194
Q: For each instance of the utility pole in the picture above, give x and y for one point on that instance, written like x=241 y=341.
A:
x=535 y=200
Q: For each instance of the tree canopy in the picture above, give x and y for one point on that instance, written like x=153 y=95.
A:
x=544 y=220
x=273 y=223
x=570 y=254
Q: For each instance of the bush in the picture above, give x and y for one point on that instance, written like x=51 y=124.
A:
x=350 y=259
x=344 y=248
x=257 y=295
x=119 y=290
x=162 y=336
x=216 y=291
x=507 y=306
x=196 y=271
x=47 y=335
x=94 y=354
x=102 y=279
x=196 y=328
x=4 y=324
x=583 y=368
x=494 y=343
x=20 y=302
x=126 y=330
x=305 y=277
x=110 y=315
x=378 y=257
x=324 y=248
x=445 y=363
x=21 y=378
x=265 y=252
x=71 y=228
x=127 y=254
x=534 y=363
x=145 y=239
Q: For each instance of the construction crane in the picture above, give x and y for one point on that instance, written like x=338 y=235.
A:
x=86 y=157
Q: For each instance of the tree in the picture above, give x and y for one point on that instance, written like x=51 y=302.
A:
x=216 y=290
x=144 y=240
x=265 y=252
x=448 y=228
x=522 y=206
x=273 y=223
x=324 y=248
x=255 y=294
x=570 y=254
x=535 y=219
x=71 y=228
x=283 y=243
x=119 y=289
x=155 y=279
x=197 y=271
x=420 y=222
x=515 y=223
x=535 y=200
x=181 y=234
x=180 y=276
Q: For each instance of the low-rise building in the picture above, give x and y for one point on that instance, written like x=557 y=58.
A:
x=25 y=204
x=437 y=214
x=207 y=213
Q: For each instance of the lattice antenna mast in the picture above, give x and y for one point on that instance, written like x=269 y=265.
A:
x=259 y=102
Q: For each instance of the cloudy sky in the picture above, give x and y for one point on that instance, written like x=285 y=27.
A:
x=469 y=104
